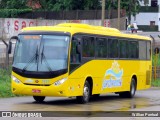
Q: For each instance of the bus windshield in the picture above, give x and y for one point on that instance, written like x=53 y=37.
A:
x=42 y=53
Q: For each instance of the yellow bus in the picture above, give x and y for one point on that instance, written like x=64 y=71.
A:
x=79 y=60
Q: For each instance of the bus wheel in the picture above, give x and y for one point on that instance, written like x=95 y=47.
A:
x=131 y=93
x=39 y=98
x=86 y=94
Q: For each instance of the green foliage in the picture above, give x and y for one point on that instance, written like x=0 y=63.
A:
x=149 y=9
x=13 y=4
x=153 y=60
x=155 y=83
x=5 y=83
x=57 y=5
x=132 y=6
x=11 y=8
x=147 y=28
x=10 y=13
x=15 y=7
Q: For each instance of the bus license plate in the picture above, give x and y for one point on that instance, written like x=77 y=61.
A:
x=36 y=91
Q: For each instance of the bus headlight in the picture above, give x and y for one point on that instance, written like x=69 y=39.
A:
x=59 y=82
x=15 y=79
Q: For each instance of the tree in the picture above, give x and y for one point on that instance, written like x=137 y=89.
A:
x=131 y=6
x=13 y=4
x=57 y=5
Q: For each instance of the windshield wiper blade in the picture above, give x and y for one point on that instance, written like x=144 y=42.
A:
x=45 y=60
x=35 y=56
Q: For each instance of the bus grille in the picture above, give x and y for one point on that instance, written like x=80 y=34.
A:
x=37 y=84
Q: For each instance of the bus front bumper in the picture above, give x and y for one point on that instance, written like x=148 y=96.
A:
x=34 y=90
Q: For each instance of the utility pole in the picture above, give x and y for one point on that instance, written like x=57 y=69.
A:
x=103 y=13
x=119 y=8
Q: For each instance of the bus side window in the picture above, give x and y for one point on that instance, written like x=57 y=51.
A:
x=123 y=48
x=88 y=46
x=113 y=48
x=75 y=50
x=133 y=50
x=148 y=50
x=101 y=47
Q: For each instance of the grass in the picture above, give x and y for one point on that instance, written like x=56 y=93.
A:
x=5 y=83
x=156 y=83
x=153 y=60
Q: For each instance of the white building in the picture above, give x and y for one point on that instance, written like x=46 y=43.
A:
x=149 y=16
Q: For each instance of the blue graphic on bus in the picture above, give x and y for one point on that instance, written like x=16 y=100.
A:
x=115 y=76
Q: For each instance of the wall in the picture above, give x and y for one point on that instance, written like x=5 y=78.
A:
x=12 y=26
x=145 y=18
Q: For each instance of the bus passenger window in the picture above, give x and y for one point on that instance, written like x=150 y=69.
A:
x=88 y=47
x=113 y=48
x=148 y=50
x=101 y=47
x=122 y=48
x=133 y=49
x=142 y=50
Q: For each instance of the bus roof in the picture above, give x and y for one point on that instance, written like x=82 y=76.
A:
x=85 y=28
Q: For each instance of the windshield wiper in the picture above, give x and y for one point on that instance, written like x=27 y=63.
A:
x=45 y=60
x=35 y=56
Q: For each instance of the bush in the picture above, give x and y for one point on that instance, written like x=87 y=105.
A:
x=156 y=83
x=148 y=28
x=5 y=83
x=148 y=9
x=12 y=13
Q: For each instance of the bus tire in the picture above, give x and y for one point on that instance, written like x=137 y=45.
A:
x=131 y=93
x=86 y=94
x=39 y=98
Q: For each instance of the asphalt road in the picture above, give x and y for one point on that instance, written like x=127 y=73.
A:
x=145 y=100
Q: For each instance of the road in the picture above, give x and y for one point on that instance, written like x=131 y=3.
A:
x=145 y=100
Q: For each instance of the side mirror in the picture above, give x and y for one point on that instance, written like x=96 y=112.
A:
x=10 y=47
x=10 y=44
x=14 y=37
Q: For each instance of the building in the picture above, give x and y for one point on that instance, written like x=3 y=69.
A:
x=148 y=19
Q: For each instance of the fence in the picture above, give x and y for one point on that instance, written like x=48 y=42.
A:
x=157 y=72
x=72 y=15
